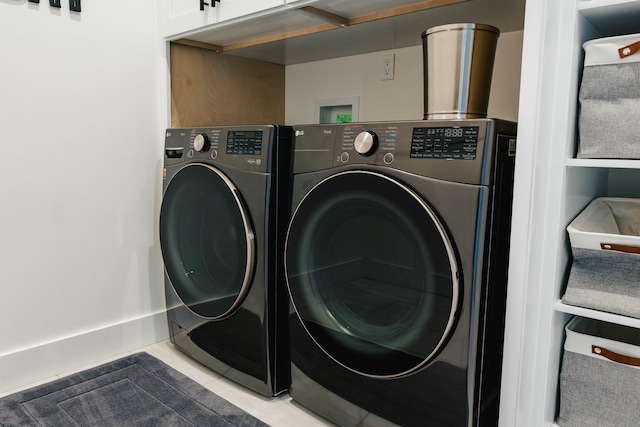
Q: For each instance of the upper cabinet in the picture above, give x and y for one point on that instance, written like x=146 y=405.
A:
x=179 y=16
x=293 y=31
x=182 y=16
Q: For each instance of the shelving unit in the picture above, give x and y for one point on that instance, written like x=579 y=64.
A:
x=603 y=163
x=599 y=315
x=557 y=188
x=601 y=18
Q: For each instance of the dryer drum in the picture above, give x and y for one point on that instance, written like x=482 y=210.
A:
x=206 y=240
x=372 y=274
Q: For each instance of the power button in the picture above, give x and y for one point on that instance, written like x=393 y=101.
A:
x=388 y=158
x=344 y=157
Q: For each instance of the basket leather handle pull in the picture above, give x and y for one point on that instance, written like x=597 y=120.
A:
x=615 y=357
x=620 y=248
x=629 y=50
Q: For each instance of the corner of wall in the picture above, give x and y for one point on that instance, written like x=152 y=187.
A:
x=48 y=360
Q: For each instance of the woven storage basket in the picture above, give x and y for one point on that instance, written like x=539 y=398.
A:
x=605 y=244
x=600 y=375
x=609 y=116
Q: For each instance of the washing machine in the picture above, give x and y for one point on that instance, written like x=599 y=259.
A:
x=222 y=226
x=396 y=261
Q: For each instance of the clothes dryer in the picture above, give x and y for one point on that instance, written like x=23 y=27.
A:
x=396 y=260
x=222 y=225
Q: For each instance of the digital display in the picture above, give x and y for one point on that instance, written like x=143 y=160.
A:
x=453 y=132
x=453 y=142
x=244 y=142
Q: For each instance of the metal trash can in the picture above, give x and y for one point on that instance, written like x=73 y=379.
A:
x=458 y=66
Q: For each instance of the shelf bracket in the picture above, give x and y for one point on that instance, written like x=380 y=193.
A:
x=199 y=45
x=337 y=20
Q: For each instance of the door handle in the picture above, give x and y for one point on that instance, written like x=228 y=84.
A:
x=203 y=3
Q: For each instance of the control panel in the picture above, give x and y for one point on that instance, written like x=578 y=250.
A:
x=244 y=142
x=384 y=142
x=243 y=147
x=368 y=140
x=460 y=150
x=450 y=142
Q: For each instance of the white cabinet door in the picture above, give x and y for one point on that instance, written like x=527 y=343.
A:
x=232 y=9
x=179 y=16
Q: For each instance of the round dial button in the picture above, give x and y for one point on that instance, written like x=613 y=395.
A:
x=201 y=142
x=366 y=143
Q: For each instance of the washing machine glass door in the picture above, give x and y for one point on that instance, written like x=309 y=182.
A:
x=372 y=274
x=206 y=240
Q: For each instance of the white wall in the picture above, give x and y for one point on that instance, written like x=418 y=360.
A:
x=397 y=99
x=81 y=140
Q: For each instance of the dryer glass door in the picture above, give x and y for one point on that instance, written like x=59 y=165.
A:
x=372 y=274
x=206 y=240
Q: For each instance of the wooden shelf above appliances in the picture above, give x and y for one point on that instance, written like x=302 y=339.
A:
x=313 y=30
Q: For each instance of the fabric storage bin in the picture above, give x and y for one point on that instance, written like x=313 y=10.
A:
x=605 y=243
x=609 y=116
x=600 y=375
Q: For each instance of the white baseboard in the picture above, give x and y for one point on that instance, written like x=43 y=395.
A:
x=48 y=360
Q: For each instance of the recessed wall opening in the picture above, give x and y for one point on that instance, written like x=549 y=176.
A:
x=337 y=110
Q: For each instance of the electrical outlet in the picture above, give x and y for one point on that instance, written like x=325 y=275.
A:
x=388 y=65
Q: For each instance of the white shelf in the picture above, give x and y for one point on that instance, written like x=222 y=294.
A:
x=612 y=17
x=289 y=35
x=609 y=5
x=598 y=315
x=604 y=163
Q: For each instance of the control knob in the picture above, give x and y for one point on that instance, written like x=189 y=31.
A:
x=366 y=143
x=201 y=142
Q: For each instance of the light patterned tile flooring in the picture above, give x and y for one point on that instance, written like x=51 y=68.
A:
x=280 y=411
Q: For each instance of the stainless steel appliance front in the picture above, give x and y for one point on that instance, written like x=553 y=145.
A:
x=396 y=261
x=222 y=223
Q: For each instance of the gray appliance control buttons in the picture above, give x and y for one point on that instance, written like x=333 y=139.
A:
x=366 y=143
x=201 y=142
x=388 y=158
x=214 y=154
x=344 y=157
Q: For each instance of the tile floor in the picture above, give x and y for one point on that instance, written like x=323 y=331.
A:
x=277 y=412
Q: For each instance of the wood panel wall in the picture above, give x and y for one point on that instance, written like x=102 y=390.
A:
x=213 y=89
